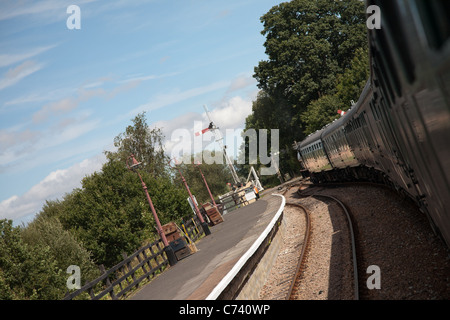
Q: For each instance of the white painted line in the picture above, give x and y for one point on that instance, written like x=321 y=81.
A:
x=243 y=260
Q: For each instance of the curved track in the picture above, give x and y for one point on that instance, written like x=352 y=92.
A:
x=305 y=247
x=353 y=243
x=306 y=243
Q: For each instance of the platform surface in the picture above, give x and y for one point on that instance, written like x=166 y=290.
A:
x=194 y=277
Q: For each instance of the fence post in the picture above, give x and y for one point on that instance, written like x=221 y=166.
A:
x=108 y=282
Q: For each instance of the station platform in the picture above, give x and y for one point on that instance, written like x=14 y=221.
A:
x=196 y=276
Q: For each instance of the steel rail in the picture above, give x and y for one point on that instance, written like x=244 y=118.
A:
x=305 y=246
x=352 y=236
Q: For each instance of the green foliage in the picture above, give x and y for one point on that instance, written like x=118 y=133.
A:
x=308 y=43
x=145 y=144
x=27 y=271
x=48 y=232
x=320 y=112
x=110 y=213
x=349 y=87
x=317 y=63
x=216 y=175
x=93 y=224
x=351 y=83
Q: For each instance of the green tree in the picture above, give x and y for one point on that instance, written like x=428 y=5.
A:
x=27 y=271
x=110 y=214
x=269 y=113
x=320 y=112
x=351 y=83
x=217 y=175
x=349 y=87
x=308 y=43
x=145 y=144
x=45 y=231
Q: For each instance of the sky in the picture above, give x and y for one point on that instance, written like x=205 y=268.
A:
x=66 y=92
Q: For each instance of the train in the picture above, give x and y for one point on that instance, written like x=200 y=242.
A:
x=398 y=132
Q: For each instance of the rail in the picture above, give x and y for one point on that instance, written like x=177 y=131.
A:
x=306 y=241
x=353 y=242
x=305 y=246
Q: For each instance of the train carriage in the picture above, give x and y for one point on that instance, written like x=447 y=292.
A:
x=413 y=47
x=399 y=130
x=312 y=153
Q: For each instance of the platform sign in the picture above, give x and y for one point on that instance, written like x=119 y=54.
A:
x=250 y=195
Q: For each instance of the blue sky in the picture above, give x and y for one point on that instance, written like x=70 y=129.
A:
x=65 y=94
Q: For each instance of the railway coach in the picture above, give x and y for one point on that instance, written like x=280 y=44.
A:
x=399 y=130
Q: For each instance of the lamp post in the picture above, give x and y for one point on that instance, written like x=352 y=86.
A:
x=197 y=211
x=167 y=248
x=206 y=184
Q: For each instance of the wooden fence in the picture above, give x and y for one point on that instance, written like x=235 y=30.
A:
x=145 y=263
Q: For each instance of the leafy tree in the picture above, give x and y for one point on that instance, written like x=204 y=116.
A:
x=308 y=43
x=145 y=144
x=46 y=231
x=110 y=215
x=269 y=113
x=351 y=83
x=27 y=271
x=320 y=112
x=217 y=175
x=311 y=47
x=349 y=87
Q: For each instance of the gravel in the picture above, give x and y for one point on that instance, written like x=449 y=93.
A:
x=391 y=233
x=280 y=278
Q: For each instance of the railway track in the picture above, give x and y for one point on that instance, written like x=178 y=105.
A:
x=302 y=259
x=391 y=234
x=353 y=242
x=297 y=278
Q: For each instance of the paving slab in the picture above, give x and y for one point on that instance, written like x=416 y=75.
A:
x=194 y=277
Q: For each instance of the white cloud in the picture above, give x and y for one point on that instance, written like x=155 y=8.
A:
x=140 y=78
x=228 y=116
x=53 y=186
x=241 y=82
x=67 y=104
x=168 y=99
x=232 y=113
x=9 y=59
x=16 y=74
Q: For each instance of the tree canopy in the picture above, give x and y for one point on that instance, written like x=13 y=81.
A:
x=317 y=63
x=216 y=175
x=145 y=144
x=308 y=43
